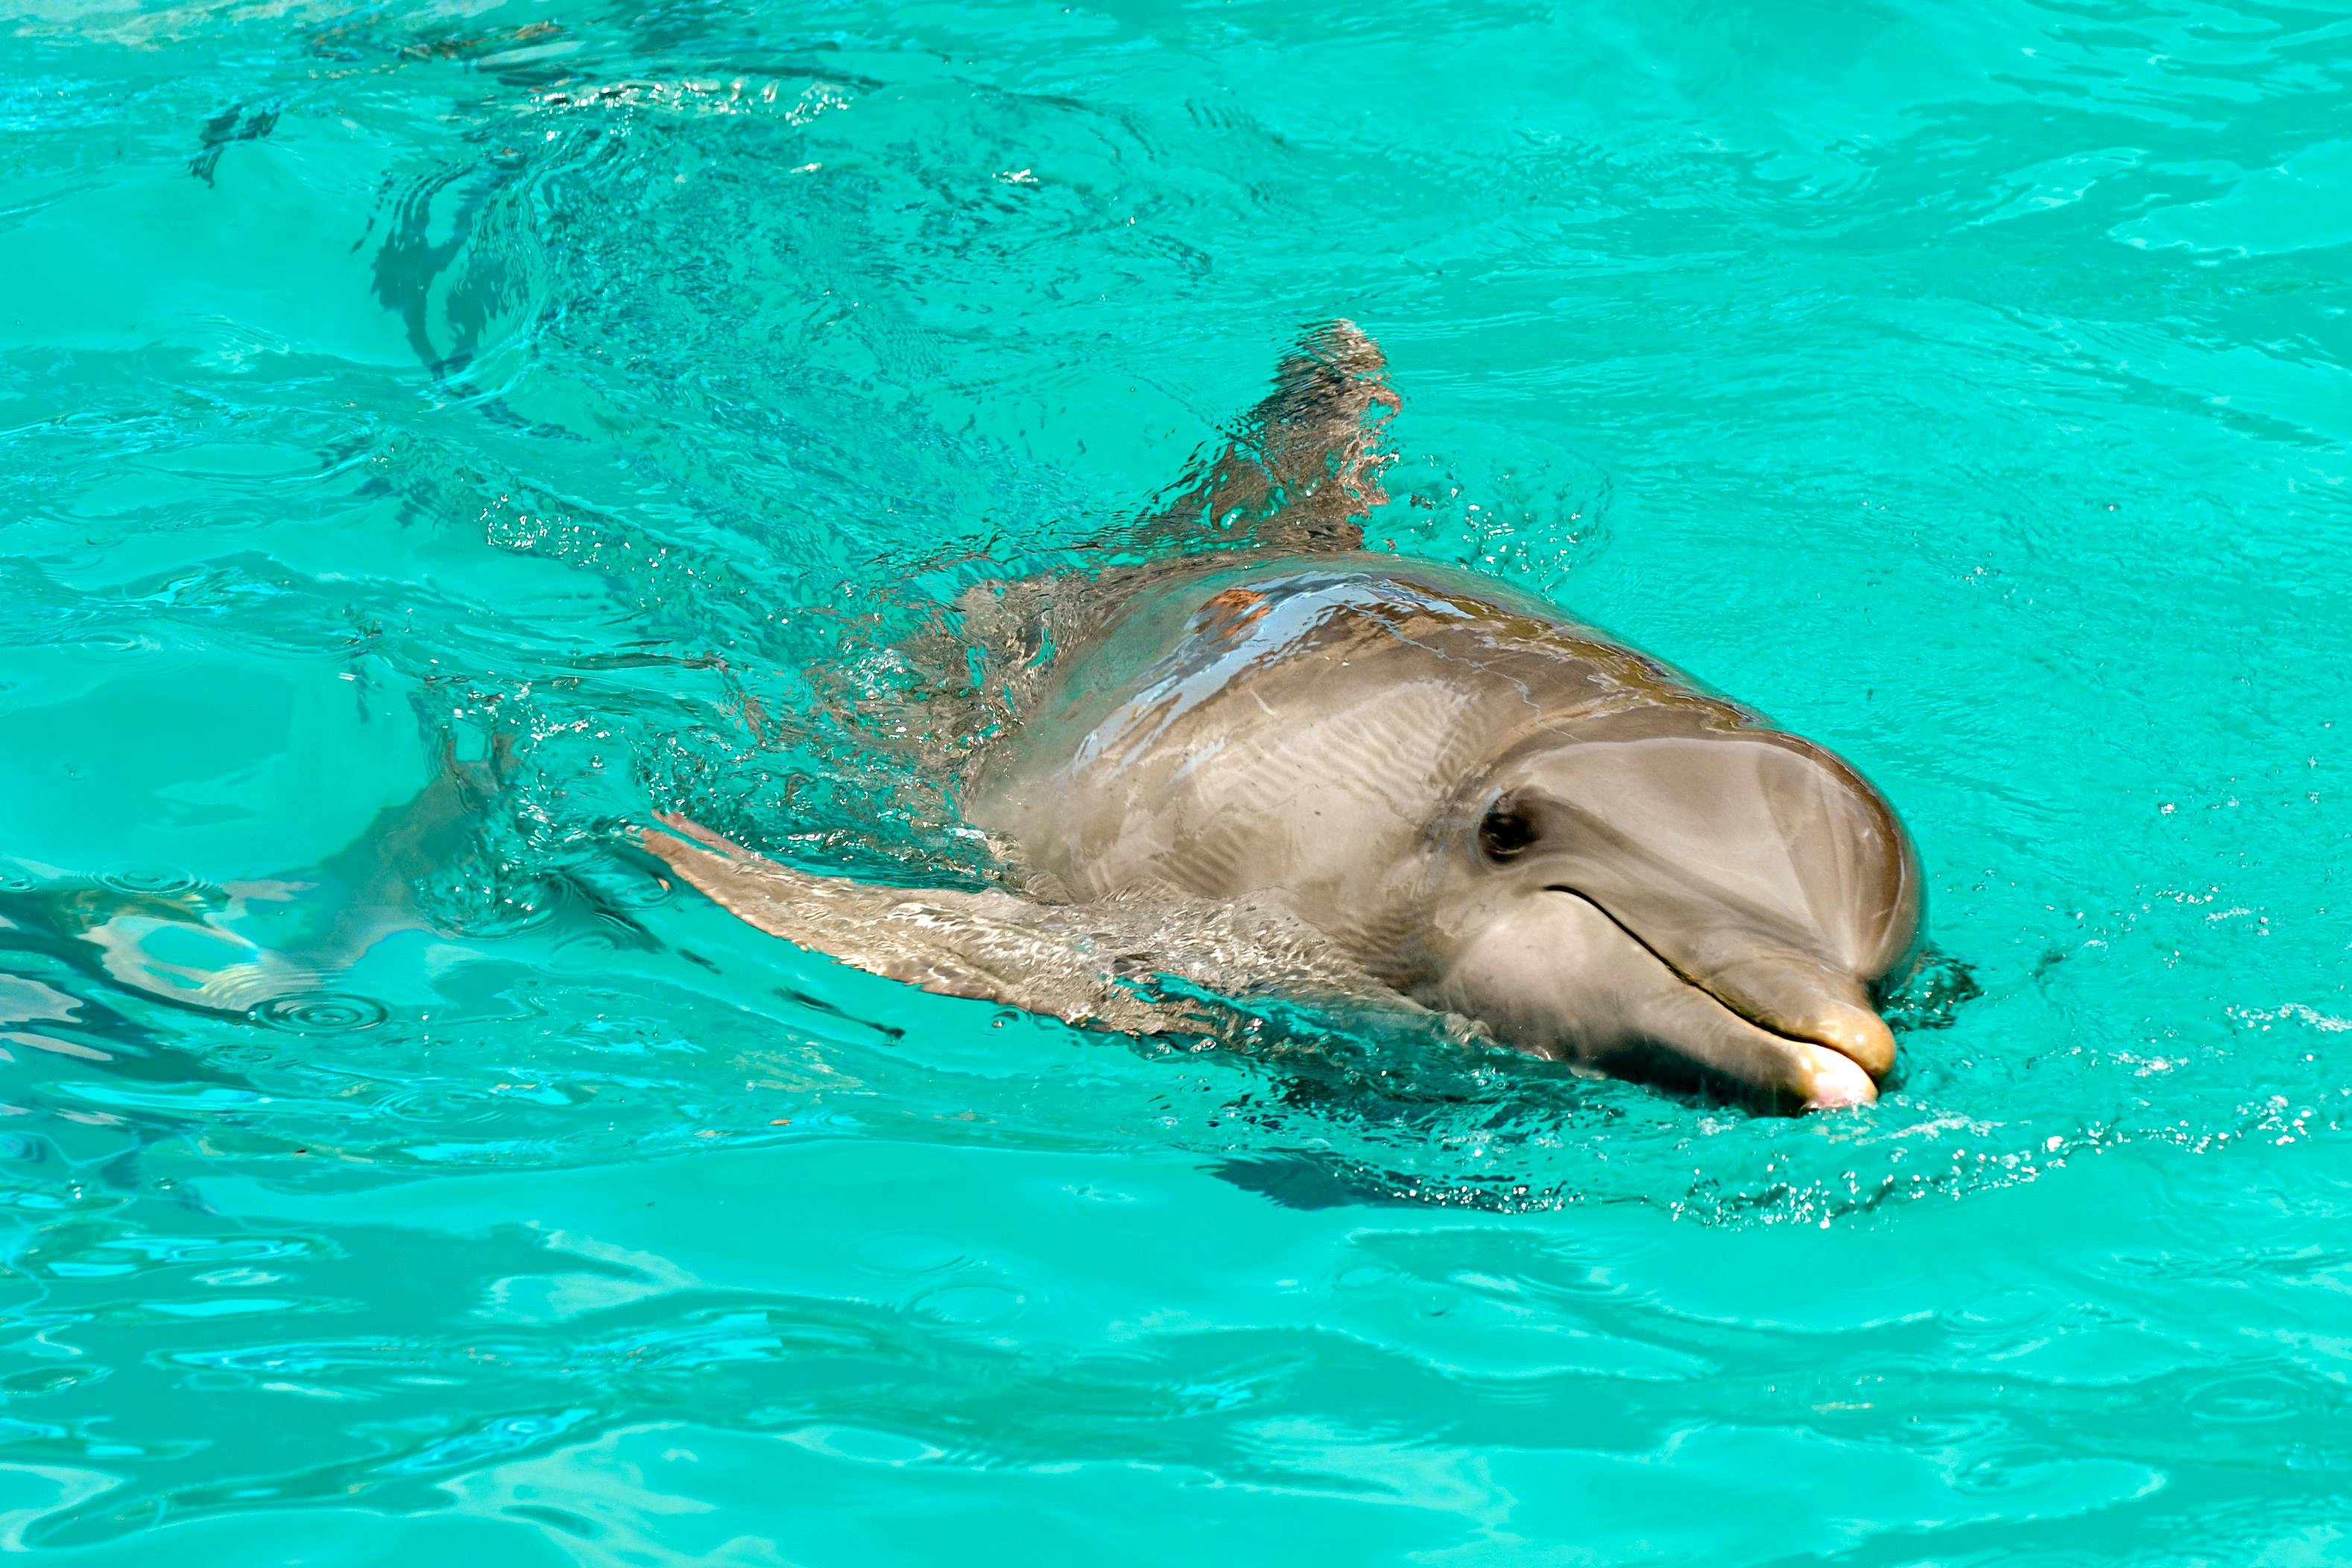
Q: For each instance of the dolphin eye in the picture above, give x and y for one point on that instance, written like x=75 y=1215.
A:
x=1506 y=830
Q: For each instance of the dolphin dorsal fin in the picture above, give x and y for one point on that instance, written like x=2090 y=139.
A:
x=1297 y=476
x=1304 y=466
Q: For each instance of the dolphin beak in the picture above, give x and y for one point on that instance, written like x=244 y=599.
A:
x=1828 y=1048
x=1860 y=1036
x=1559 y=975
x=1838 y=1084
x=1835 y=1047
x=1696 y=1024
x=1802 y=999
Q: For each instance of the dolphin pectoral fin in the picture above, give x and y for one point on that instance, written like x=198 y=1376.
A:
x=1306 y=466
x=988 y=947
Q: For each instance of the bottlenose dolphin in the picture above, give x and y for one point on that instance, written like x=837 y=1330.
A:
x=1247 y=753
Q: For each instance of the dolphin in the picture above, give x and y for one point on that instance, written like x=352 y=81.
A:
x=1245 y=752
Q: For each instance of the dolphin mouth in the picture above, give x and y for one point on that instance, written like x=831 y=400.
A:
x=1865 y=1050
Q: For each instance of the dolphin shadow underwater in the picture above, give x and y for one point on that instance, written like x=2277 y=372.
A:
x=1245 y=756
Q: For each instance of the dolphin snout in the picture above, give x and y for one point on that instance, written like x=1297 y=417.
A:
x=1799 y=998
x=1836 y=1048
x=1861 y=1036
x=1838 y=1083
x=1694 y=1023
x=1558 y=974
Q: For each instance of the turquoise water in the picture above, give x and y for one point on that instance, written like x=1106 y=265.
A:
x=584 y=393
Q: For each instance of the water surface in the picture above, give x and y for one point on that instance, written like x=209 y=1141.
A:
x=583 y=392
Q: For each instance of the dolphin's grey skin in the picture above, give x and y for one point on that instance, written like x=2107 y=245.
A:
x=1340 y=770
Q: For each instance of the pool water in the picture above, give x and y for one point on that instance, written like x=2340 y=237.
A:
x=575 y=404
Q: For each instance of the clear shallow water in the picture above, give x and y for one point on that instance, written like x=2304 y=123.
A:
x=590 y=388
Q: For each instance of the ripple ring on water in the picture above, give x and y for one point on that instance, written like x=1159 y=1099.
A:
x=115 y=640
x=320 y=1012
x=583 y=952
x=976 y=1304
x=147 y=880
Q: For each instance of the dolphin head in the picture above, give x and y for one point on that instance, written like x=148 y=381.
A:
x=1689 y=892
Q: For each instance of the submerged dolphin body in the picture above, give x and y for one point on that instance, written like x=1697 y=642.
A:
x=1286 y=763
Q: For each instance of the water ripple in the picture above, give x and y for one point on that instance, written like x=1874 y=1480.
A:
x=446 y=439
